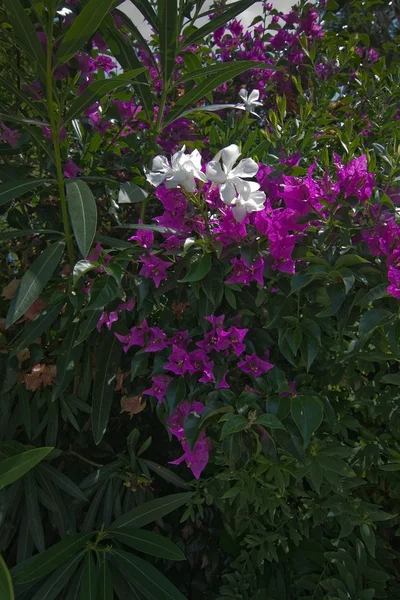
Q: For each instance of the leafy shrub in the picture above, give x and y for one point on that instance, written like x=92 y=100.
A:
x=201 y=268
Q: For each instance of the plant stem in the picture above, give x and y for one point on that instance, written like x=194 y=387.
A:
x=55 y=129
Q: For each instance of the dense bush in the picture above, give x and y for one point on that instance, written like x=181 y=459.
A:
x=201 y=284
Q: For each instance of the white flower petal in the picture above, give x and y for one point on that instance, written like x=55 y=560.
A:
x=155 y=179
x=253 y=97
x=214 y=172
x=227 y=192
x=160 y=163
x=243 y=94
x=239 y=212
x=195 y=159
x=179 y=159
x=246 y=168
x=229 y=155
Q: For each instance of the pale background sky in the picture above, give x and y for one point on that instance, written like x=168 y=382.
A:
x=246 y=17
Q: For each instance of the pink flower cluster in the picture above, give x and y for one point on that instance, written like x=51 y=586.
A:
x=197 y=458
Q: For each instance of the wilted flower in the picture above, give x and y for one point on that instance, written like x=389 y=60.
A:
x=133 y=405
x=183 y=171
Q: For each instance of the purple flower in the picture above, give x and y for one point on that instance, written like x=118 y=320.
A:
x=179 y=361
x=159 y=387
x=394 y=274
x=99 y=43
x=47 y=134
x=105 y=63
x=127 y=110
x=354 y=179
x=143 y=237
x=154 y=268
x=223 y=384
x=197 y=458
x=253 y=365
x=156 y=339
x=128 y=305
x=135 y=337
x=107 y=320
x=242 y=273
x=199 y=362
x=180 y=339
x=11 y=136
x=234 y=337
x=71 y=170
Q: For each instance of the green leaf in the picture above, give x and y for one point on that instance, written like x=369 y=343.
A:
x=191 y=428
x=168 y=30
x=98 y=89
x=89 y=578
x=147 y=10
x=33 y=511
x=103 y=290
x=36 y=328
x=125 y=53
x=25 y=33
x=17 y=233
x=15 y=467
x=151 y=511
x=376 y=293
x=6 y=586
x=130 y=193
x=226 y=15
x=198 y=269
x=347 y=260
x=368 y=537
x=83 y=213
x=337 y=297
x=67 y=361
x=105 y=587
x=46 y=562
x=54 y=585
x=392 y=378
x=165 y=473
x=107 y=360
x=371 y=320
x=176 y=392
x=155 y=586
x=269 y=421
x=34 y=280
x=149 y=543
x=224 y=73
x=14 y=189
x=87 y=325
x=308 y=412
x=82 y=28
x=61 y=481
x=234 y=424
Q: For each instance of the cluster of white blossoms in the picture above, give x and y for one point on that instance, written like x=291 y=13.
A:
x=241 y=195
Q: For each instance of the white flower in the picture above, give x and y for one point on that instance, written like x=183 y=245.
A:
x=182 y=172
x=228 y=178
x=250 y=101
x=250 y=199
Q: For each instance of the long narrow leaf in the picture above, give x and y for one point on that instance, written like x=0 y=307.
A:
x=15 y=189
x=83 y=27
x=154 y=584
x=151 y=511
x=16 y=466
x=34 y=280
x=48 y=561
x=6 y=586
x=52 y=587
x=124 y=52
x=61 y=481
x=211 y=83
x=25 y=33
x=107 y=360
x=147 y=11
x=36 y=328
x=168 y=31
x=212 y=25
x=98 y=89
x=32 y=506
x=149 y=543
x=83 y=212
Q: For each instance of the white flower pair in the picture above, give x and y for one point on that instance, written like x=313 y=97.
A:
x=243 y=196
